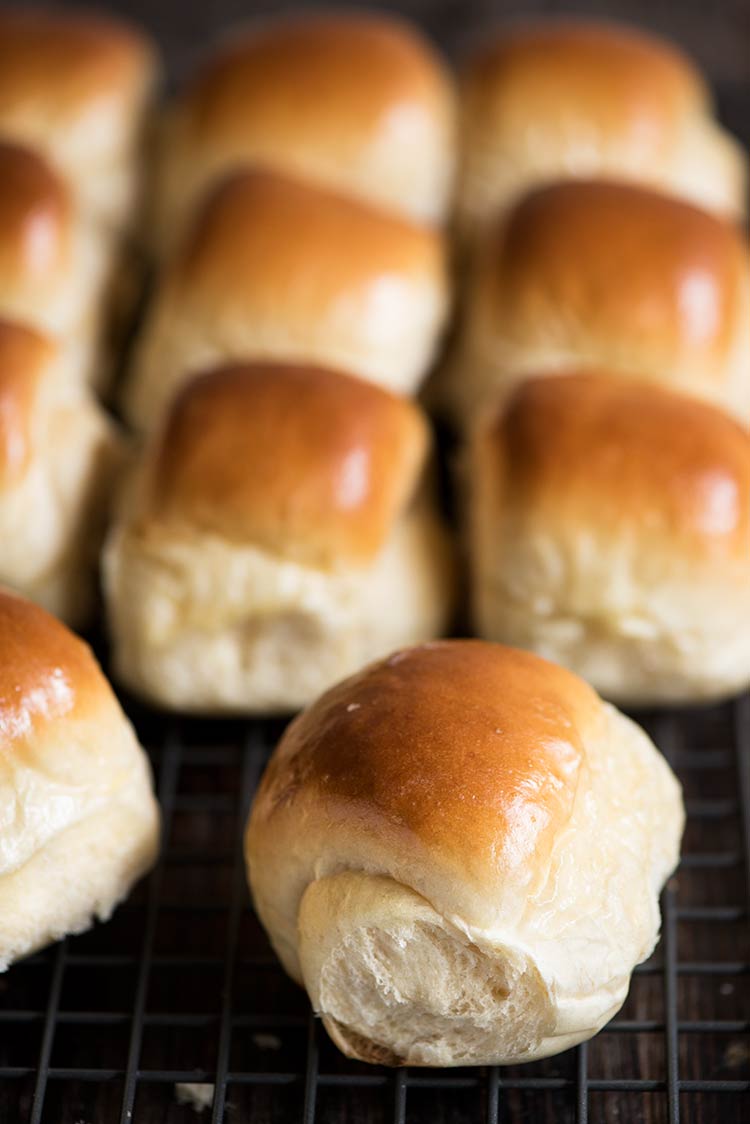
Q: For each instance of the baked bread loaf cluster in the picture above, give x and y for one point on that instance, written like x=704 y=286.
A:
x=459 y=852
x=278 y=532
x=80 y=822
x=276 y=536
x=302 y=180
x=606 y=517
x=73 y=93
x=75 y=87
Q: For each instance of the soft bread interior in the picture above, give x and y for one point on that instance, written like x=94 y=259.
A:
x=383 y=967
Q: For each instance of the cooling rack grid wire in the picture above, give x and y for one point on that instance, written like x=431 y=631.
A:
x=181 y=986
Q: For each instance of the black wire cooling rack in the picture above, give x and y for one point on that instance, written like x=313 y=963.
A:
x=180 y=987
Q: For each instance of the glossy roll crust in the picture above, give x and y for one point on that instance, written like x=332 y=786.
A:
x=277 y=536
x=611 y=275
x=306 y=462
x=74 y=86
x=82 y=823
x=59 y=457
x=562 y=99
x=458 y=852
x=277 y=269
x=611 y=532
x=358 y=102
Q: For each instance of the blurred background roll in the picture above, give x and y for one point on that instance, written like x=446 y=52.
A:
x=610 y=531
x=75 y=86
x=275 y=268
x=59 y=459
x=603 y=274
x=356 y=101
x=560 y=99
x=56 y=269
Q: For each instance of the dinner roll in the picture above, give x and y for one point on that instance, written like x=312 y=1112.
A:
x=75 y=86
x=54 y=267
x=59 y=455
x=277 y=536
x=611 y=532
x=559 y=98
x=276 y=269
x=358 y=102
x=610 y=275
x=459 y=852
x=80 y=823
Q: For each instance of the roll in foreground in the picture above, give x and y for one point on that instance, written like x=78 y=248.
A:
x=459 y=852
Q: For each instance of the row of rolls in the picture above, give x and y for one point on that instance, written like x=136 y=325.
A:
x=298 y=220
x=79 y=822
x=457 y=850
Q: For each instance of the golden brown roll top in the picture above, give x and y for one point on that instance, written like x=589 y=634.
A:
x=261 y=231
x=307 y=463
x=57 y=60
x=74 y=86
x=47 y=675
x=411 y=742
x=602 y=273
x=622 y=259
x=571 y=98
x=278 y=534
x=277 y=269
x=360 y=102
x=458 y=851
x=610 y=524
x=81 y=822
x=597 y=451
